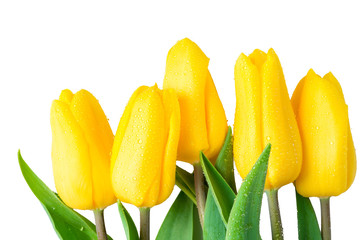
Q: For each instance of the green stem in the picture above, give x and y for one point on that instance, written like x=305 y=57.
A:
x=144 y=223
x=200 y=191
x=100 y=224
x=325 y=218
x=275 y=218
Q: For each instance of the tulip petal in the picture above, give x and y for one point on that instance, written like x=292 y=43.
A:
x=187 y=72
x=172 y=119
x=351 y=157
x=351 y=163
x=136 y=173
x=66 y=96
x=279 y=126
x=99 y=137
x=247 y=130
x=264 y=115
x=70 y=155
x=123 y=125
x=324 y=131
x=258 y=58
x=216 y=122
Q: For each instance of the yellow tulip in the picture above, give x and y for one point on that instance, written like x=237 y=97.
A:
x=329 y=163
x=264 y=115
x=203 y=120
x=81 y=145
x=143 y=160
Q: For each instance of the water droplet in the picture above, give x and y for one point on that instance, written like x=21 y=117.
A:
x=140 y=141
x=82 y=229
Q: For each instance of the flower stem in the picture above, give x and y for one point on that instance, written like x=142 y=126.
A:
x=100 y=224
x=200 y=191
x=275 y=218
x=325 y=218
x=144 y=223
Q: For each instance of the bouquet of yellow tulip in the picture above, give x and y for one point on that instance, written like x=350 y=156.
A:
x=276 y=141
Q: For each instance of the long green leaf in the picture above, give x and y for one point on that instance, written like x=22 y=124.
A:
x=214 y=227
x=308 y=226
x=128 y=223
x=225 y=161
x=222 y=192
x=186 y=177
x=245 y=215
x=68 y=224
x=185 y=181
x=197 y=229
x=181 y=222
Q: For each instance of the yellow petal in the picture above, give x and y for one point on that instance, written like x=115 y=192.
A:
x=172 y=120
x=216 y=123
x=258 y=58
x=332 y=80
x=264 y=114
x=123 y=125
x=247 y=125
x=66 y=96
x=351 y=163
x=351 y=160
x=187 y=73
x=70 y=155
x=137 y=171
x=99 y=137
x=279 y=126
x=323 y=122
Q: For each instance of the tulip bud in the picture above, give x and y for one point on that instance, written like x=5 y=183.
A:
x=81 y=145
x=143 y=160
x=203 y=120
x=329 y=163
x=264 y=115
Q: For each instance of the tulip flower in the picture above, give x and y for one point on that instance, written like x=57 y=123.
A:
x=143 y=160
x=81 y=145
x=203 y=120
x=328 y=148
x=264 y=115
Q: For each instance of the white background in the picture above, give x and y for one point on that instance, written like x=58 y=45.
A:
x=110 y=48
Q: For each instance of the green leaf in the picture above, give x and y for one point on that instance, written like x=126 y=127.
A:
x=308 y=227
x=185 y=181
x=128 y=223
x=245 y=214
x=67 y=223
x=225 y=161
x=197 y=229
x=181 y=222
x=214 y=227
x=185 y=189
x=186 y=177
x=221 y=191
